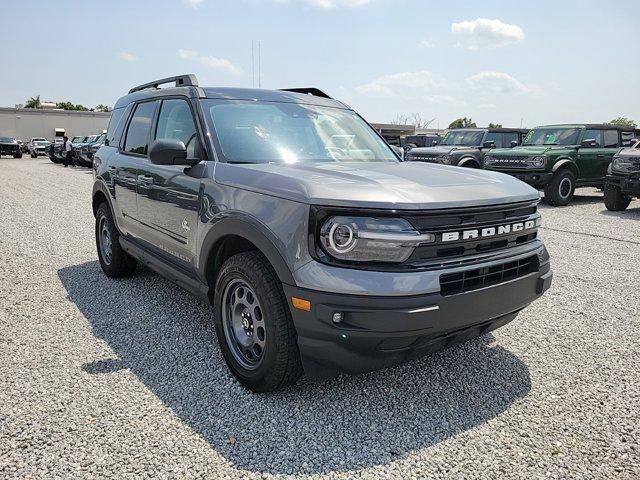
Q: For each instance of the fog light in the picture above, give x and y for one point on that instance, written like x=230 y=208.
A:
x=338 y=317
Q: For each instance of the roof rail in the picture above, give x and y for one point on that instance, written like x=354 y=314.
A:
x=180 y=81
x=316 y=92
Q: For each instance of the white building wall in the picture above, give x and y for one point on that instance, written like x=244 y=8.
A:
x=24 y=123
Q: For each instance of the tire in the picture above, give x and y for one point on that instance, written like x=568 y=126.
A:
x=248 y=300
x=559 y=191
x=17 y=155
x=614 y=199
x=33 y=156
x=115 y=262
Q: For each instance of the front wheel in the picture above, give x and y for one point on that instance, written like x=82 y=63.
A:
x=559 y=191
x=115 y=262
x=614 y=199
x=254 y=325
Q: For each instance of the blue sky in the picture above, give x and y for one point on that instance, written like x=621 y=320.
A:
x=495 y=61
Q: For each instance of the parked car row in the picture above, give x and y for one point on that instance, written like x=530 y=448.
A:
x=554 y=158
x=84 y=147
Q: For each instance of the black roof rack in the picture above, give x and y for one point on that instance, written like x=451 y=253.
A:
x=316 y=92
x=180 y=81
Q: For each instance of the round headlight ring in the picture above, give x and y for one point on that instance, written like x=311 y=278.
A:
x=342 y=238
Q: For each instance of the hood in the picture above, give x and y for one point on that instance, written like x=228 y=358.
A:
x=388 y=185
x=439 y=149
x=532 y=150
x=629 y=152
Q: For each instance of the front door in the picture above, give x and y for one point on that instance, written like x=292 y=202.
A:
x=169 y=195
x=130 y=156
x=589 y=158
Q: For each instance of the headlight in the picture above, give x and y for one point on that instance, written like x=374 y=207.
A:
x=626 y=164
x=446 y=159
x=538 y=162
x=368 y=239
x=489 y=160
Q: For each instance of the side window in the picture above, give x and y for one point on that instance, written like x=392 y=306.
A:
x=610 y=139
x=628 y=137
x=510 y=137
x=113 y=137
x=176 y=121
x=593 y=135
x=494 y=137
x=139 y=129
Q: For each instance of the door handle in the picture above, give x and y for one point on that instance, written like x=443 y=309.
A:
x=600 y=155
x=145 y=179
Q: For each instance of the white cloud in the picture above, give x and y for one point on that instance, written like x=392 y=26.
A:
x=128 y=57
x=193 y=3
x=405 y=83
x=209 y=61
x=427 y=44
x=331 y=3
x=486 y=33
x=496 y=83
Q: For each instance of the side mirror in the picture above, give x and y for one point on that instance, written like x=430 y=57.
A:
x=514 y=143
x=170 y=151
x=399 y=151
x=589 y=143
x=489 y=144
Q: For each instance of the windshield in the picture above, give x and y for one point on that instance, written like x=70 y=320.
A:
x=92 y=138
x=552 y=136
x=76 y=139
x=40 y=142
x=466 y=138
x=273 y=132
x=6 y=139
x=101 y=138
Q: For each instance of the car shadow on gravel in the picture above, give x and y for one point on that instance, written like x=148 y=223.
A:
x=164 y=336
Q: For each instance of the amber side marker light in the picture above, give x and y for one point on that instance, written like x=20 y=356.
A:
x=301 y=304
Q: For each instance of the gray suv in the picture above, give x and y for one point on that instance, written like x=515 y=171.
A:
x=320 y=251
x=466 y=147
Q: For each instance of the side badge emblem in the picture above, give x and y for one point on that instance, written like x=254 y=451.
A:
x=185 y=225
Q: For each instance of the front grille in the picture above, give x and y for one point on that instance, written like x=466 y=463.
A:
x=509 y=161
x=477 y=218
x=422 y=158
x=469 y=280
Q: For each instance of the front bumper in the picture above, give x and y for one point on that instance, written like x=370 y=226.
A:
x=535 y=179
x=381 y=331
x=629 y=184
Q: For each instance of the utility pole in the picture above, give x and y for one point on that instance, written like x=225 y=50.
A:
x=259 y=67
x=253 y=62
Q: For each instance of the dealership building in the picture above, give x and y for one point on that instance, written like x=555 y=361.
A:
x=24 y=123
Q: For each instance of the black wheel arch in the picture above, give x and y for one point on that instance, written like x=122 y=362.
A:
x=566 y=163
x=234 y=234
x=100 y=194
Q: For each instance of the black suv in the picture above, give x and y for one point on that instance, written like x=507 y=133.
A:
x=466 y=147
x=623 y=179
x=318 y=248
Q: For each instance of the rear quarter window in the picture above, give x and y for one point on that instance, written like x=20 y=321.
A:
x=116 y=125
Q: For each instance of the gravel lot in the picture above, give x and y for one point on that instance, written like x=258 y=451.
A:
x=123 y=378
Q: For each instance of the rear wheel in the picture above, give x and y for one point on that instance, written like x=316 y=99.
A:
x=614 y=199
x=559 y=191
x=17 y=155
x=253 y=324
x=115 y=262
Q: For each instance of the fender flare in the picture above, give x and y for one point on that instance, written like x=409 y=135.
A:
x=100 y=186
x=566 y=163
x=251 y=230
x=465 y=160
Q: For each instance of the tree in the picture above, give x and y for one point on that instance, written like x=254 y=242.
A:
x=33 y=102
x=414 y=119
x=71 y=106
x=626 y=122
x=102 y=108
x=495 y=125
x=463 y=122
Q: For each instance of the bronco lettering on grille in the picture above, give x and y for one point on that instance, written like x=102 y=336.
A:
x=489 y=231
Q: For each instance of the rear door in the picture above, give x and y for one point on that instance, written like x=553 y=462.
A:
x=610 y=146
x=169 y=195
x=131 y=154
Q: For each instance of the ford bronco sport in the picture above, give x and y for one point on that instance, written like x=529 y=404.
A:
x=559 y=158
x=465 y=147
x=623 y=179
x=319 y=250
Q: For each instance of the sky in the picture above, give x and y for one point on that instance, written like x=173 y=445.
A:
x=506 y=62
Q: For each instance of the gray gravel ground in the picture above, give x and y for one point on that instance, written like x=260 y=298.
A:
x=123 y=378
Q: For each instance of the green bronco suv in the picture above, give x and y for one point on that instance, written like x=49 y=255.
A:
x=559 y=158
